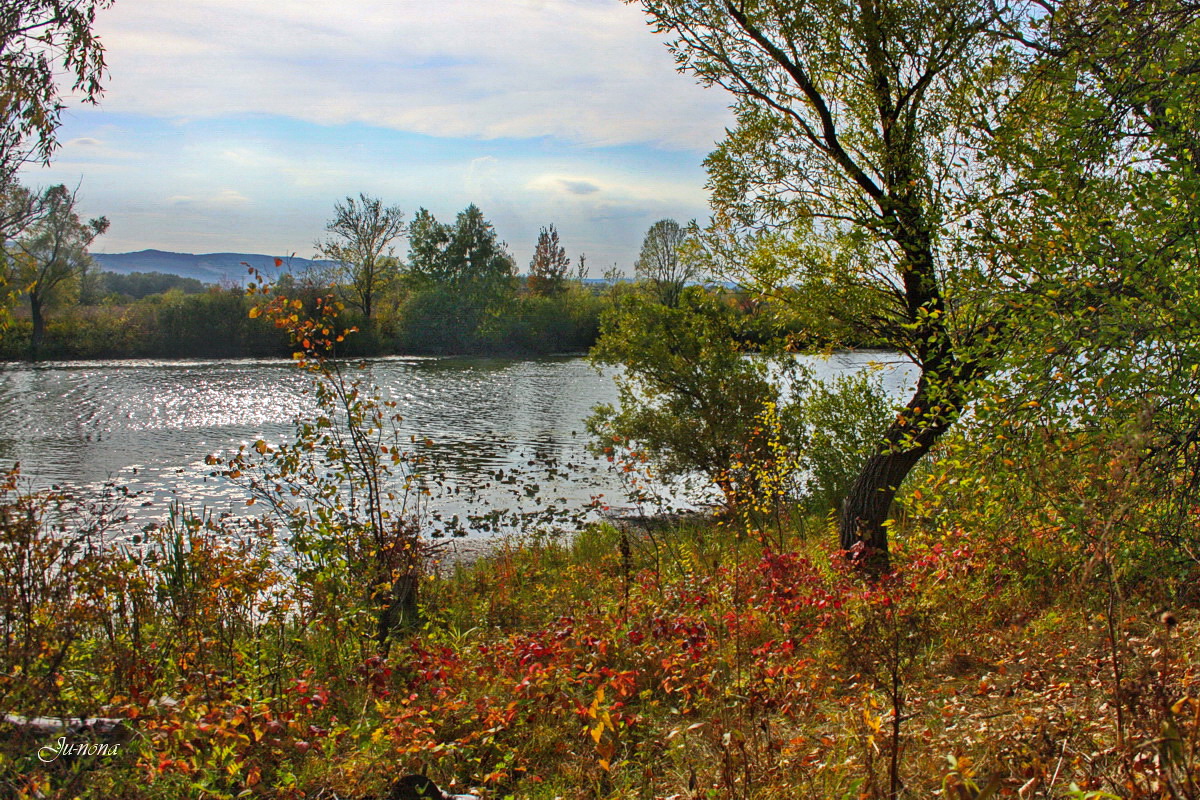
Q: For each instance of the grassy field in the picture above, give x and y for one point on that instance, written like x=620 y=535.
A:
x=690 y=661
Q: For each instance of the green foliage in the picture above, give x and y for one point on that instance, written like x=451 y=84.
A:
x=814 y=292
x=137 y=285
x=467 y=255
x=1091 y=223
x=39 y=41
x=566 y=322
x=463 y=295
x=853 y=140
x=703 y=390
x=428 y=241
x=49 y=259
x=212 y=323
x=843 y=420
x=690 y=395
x=548 y=268
x=433 y=320
x=18 y=208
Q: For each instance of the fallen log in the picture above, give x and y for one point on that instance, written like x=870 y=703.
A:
x=419 y=787
x=99 y=729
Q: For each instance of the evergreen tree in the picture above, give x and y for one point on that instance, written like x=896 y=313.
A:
x=548 y=269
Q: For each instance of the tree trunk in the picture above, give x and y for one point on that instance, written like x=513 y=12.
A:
x=39 y=327
x=397 y=606
x=861 y=524
x=941 y=388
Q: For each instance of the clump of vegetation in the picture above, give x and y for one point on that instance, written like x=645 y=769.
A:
x=1005 y=605
x=618 y=663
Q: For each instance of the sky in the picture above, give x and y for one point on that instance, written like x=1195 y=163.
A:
x=236 y=125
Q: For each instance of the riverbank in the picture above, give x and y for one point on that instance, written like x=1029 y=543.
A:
x=217 y=323
x=688 y=661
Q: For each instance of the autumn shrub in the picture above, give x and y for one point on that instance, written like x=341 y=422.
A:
x=346 y=489
x=57 y=564
x=579 y=667
x=93 y=332
x=843 y=418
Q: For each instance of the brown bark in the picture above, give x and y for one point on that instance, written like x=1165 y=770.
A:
x=397 y=607
x=862 y=527
x=38 y=318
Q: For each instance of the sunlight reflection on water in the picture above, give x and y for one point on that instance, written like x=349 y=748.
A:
x=149 y=425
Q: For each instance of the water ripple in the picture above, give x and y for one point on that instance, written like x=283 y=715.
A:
x=148 y=424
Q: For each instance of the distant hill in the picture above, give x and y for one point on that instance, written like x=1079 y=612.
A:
x=206 y=268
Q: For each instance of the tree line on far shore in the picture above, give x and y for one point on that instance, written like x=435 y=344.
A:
x=458 y=291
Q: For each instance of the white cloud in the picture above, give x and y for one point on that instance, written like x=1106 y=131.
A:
x=584 y=70
x=236 y=124
x=92 y=149
x=482 y=178
x=578 y=186
x=225 y=200
x=615 y=187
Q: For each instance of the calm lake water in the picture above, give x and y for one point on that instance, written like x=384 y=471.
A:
x=148 y=425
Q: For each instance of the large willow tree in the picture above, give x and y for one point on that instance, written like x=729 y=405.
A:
x=854 y=126
x=1003 y=189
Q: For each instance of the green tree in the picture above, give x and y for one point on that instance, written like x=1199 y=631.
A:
x=18 y=208
x=852 y=119
x=50 y=258
x=478 y=260
x=39 y=41
x=691 y=399
x=466 y=255
x=463 y=275
x=360 y=246
x=428 y=241
x=1096 y=219
x=548 y=268
x=662 y=261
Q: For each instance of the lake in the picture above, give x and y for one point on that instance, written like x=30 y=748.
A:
x=149 y=425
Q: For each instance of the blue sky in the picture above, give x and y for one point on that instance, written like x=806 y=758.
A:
x=235 y=125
